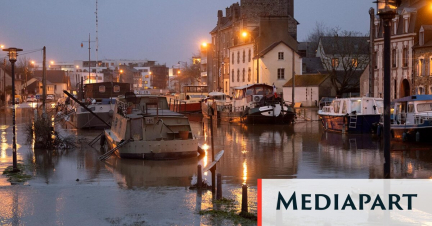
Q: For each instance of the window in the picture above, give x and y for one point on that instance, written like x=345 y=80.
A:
x=421 y=38
x=244 y=56
x=354 y=62
x=232 y=58
x=232 y=75
x=420 y=90
x=280 y=55
x=116 y=89
x=226 y=87
x=393 y=57
x=244 y=75
x=249 y=55
x=405 y=57
x=145 y=70
x=375 y=57
x=249 y=74
x=406 y=25
x=238 y=57
x=55 y=87
x=147 y=76
x=421 y=67
x=335 y=62
x=238 y=75
x=281 y=73
x=101 y=89
x=410 y=108
x=145 y=82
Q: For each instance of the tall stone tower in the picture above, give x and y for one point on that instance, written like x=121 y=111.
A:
x=252 y=9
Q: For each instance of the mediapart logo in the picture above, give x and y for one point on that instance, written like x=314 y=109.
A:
x=344 y=201
x=324 y=202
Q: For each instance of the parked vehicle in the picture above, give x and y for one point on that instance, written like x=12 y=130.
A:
x=17 y=99
x=50 y=97
x=31 y=98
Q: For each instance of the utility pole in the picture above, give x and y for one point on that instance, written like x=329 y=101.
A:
x=371 y=53
x=293 y=78
x=89 y=81
x=44 y=83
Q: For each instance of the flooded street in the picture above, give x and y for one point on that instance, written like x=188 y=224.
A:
x=71 y=183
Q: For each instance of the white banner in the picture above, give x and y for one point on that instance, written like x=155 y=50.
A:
x=344 y=202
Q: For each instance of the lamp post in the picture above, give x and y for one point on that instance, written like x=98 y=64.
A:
x=386 y=11
x=13 y=54
x=120 y=73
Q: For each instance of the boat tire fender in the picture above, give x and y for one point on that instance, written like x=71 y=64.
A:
x=102 y=140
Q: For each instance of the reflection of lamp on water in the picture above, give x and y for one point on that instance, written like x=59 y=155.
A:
x=205 y=147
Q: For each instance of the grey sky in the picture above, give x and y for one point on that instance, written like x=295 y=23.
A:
x=167 y=31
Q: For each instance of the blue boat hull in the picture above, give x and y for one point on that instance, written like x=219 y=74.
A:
x=364 y=123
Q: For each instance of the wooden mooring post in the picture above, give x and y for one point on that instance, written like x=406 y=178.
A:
x=199 y=177
x=219 y=187
x=244 y=205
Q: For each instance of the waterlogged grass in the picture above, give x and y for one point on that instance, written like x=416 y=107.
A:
x=225 y=209
x=17 y=177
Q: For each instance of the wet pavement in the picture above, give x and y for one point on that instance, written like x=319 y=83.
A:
x=135 y=192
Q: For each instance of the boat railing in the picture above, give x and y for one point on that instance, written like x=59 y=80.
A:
x=177 y=104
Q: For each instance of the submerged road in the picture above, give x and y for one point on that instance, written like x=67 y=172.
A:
x=122 y=191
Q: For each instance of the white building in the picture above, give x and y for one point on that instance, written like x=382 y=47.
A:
x=241 y=67
x=277 y=64
x=145 y=76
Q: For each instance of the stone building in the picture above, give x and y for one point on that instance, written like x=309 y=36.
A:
x=423 y=61
x=266 y=22
x=411 y=16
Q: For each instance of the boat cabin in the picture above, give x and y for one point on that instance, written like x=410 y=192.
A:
x=103 y=90
x=412 y=109
x=249 y=90
x=359 y=105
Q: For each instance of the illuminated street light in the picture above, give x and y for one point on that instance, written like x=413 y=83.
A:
x=387 y=11
x=13 y=54
x=52 y=62
x=204 y=44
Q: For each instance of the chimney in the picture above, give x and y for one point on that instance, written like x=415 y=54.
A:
x=220 y=15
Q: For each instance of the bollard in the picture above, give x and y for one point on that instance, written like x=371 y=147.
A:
x=219 y=187
x=199 y=177
x=244 y=205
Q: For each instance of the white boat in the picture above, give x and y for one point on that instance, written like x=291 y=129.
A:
x=143 y=127
x=83 y=119
x=412 y=118
x=355 y=114
x=189 y=100
x=254 y=104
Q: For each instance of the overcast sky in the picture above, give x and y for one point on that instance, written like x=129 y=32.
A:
x=167 y=31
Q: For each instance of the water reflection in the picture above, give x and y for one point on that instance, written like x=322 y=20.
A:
x=131 y=173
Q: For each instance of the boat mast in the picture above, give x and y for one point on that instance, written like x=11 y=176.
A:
x=97 y=41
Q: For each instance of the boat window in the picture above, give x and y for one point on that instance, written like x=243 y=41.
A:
x=356 y=106
x=239 y=94
x=249 y=92
x=101 y=89
x=410 y=108
x=259 y=91
x=268 y=91
x=116 y=89
x=380 y=106
x=344 y=107
x=424 y=107
x=336 y=106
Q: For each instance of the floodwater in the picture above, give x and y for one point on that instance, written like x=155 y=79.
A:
x=136 y=192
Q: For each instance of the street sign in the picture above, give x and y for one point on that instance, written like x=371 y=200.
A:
x=38 y=97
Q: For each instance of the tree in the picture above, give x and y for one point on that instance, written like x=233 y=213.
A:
x=344 y=56
x=189 y=74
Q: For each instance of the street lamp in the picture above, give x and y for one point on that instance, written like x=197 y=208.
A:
x=13 y=54
x=386 y=9
x=120 y=73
